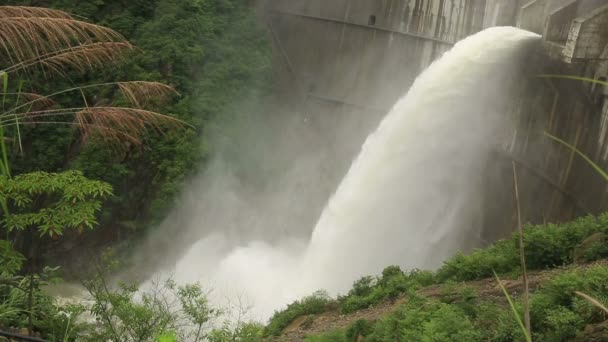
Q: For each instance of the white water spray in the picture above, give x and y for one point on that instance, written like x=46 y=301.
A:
x=411 y=198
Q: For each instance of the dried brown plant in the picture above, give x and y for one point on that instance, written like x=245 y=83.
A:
x=25 y=11
x=54 y=42
x=142 y=93
x=81 y=58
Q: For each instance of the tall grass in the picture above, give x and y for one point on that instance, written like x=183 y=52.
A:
x=526 y=330
x=522 y=255
x=54 y=43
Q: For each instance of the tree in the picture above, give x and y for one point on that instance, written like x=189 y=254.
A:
x=53 y=42
x=38 y=204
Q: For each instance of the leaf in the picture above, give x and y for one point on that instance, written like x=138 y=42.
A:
x=581 y=154
x=592 y=300
x=167 y=337
x=515 y=313
x=576 y=78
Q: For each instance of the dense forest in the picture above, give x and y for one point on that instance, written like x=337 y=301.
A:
x=74 y=185
x=210 y=52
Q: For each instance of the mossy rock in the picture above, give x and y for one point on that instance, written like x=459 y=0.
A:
x=591 y=248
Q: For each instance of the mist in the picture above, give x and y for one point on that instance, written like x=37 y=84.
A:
x=263 y=224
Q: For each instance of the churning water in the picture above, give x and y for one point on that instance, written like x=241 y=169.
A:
x=411 y=197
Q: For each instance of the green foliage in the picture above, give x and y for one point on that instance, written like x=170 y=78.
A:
x=557 y=314
x=11 y=261
x=243 y=332
x=22 y=301
x=331 y=336
x=516 y=313
x=167 y=337
x=422 y=319
x=497 y=323
x=595 y=251
x=368 y=291
x=363 y=287
x=128 y=314
x=359 y=328
x=69 y=199
x=316 y=303
x=547 y=246
x=562 y=324
x=214 y=52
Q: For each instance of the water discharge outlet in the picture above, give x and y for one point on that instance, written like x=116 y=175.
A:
x=411 y=197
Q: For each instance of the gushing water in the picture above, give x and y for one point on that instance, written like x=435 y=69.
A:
x=412 y=196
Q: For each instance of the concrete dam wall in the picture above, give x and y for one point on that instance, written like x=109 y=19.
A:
x=357 y=57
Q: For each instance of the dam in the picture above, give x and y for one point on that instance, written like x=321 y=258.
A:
x=355 y=58
x=343 y=193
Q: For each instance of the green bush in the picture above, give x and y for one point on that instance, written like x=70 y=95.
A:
x=242 y=332
x=331 y=336
x=359 y=328
x=557 y=313
x=562 y=324
x=316 y=303
x=547 y=246
x=502 y=257
x=423 y=319
x=497 y=324
x=368 y=291
x=363 y=287
x=595 y=251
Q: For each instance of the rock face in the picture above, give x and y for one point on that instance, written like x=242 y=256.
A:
x=588 y=245
x=594 y=333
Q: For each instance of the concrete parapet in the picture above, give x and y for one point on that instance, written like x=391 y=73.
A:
x=588 y=36
x=530 y=14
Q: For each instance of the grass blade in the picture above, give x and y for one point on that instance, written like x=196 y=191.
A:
x=4 y=87
x=17 y=119
x=592 y=300
x=576 y=78
x=515 y=313
x=581 y=154
x=522 y=255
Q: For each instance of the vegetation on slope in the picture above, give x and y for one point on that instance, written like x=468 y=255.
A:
x=460 y=313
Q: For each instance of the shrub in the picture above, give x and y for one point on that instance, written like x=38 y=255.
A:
x=242 y=332
x=501 y=257
x=595 y=251
x=354 y=303
x=363 y=287
x=546 y=246
x=316 y=303
x=497 y=324
x=562 y=324
x=368 y=291
x=423 y=319
x=359 y=328
x=331 y=336
x=556 y=312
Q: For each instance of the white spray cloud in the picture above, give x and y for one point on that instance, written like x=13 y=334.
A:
x=412 y=197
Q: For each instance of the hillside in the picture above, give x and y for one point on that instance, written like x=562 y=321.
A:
x=463 y=301
x=486 y=290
